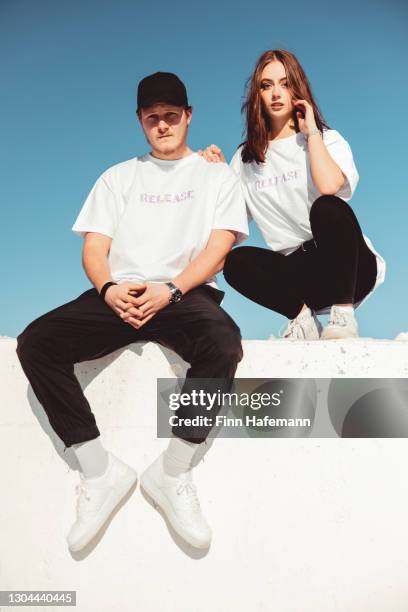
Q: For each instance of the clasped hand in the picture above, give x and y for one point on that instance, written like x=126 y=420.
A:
x=137 y=303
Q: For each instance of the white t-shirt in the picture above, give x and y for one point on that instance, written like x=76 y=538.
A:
x=280 y=192
x=160 y=213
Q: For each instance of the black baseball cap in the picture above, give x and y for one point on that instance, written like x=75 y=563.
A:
x=161 y=87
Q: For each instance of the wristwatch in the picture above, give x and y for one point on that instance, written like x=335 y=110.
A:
x=175 y=293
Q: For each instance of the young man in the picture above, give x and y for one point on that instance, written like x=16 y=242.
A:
x=156 y=230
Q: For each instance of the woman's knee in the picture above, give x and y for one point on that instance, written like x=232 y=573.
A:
x=326 y=205
x=234 y=263
x=329 y=209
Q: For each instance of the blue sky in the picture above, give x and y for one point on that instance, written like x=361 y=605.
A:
x=69 y=77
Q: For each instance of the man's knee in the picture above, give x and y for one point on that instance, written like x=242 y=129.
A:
x=187 y=438
x=32 y=341
x=25 y=345
x=223 y=340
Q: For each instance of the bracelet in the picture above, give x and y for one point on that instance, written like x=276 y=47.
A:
x=105 y=288
x=312 y=133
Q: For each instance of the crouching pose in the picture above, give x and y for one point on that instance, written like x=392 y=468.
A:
x=297 y=176
x=156 y=230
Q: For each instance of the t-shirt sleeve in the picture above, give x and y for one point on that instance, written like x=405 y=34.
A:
x=230 y=212
x=101 y=210
x=340 y=151
x=235 y=165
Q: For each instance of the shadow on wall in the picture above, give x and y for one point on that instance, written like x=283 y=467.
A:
x=86 y=375
x=86 y=372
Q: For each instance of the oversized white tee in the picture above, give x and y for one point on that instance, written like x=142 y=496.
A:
x=280 y=192
x=160 y=213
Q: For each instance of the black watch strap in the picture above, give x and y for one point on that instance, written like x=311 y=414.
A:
x=105 y=288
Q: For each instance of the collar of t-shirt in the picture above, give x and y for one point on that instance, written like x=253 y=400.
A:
x=169 y=164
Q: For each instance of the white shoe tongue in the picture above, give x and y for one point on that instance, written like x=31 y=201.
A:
x=186 y=475
x=304 y=314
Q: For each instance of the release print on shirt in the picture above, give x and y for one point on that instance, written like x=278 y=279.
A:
x=280 y=192
x=171 y=198
x=277 y=179
x=160 y=214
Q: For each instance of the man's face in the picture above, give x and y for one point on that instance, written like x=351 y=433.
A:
x=165 y=126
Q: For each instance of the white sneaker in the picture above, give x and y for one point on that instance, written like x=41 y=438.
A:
x=342 y=324
x=177 y=497
x=97 y=498
x=306 y=326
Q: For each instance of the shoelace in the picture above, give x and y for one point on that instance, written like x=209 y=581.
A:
x=187 y=487
x=82 y=497
x=294 y=329
x=84 y=500
x=338 y=318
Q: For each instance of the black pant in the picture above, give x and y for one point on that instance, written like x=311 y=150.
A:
x=196 y=328
x=341 y=270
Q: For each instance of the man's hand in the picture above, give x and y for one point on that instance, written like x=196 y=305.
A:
x=124 y=296
x=155 y=297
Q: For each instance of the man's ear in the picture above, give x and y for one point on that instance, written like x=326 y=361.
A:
x=189 y=113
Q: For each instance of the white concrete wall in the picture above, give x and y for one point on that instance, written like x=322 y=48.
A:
x=299 y=525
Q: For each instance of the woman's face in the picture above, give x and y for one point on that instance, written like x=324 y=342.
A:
x=275 y=95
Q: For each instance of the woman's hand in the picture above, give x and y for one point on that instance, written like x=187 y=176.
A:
x=327 y=176
x=212 y=154
x=305 y=116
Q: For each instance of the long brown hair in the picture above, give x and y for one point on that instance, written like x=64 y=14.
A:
x=258 y=124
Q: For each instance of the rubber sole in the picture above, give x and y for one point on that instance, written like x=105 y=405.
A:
x=335 y=336
x=149 y=487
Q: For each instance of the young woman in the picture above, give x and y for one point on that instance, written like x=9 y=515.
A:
x=297 y=175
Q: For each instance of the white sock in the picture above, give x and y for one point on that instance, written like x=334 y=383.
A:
x=177 y=456
x=346 y=308
x=92 y=457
